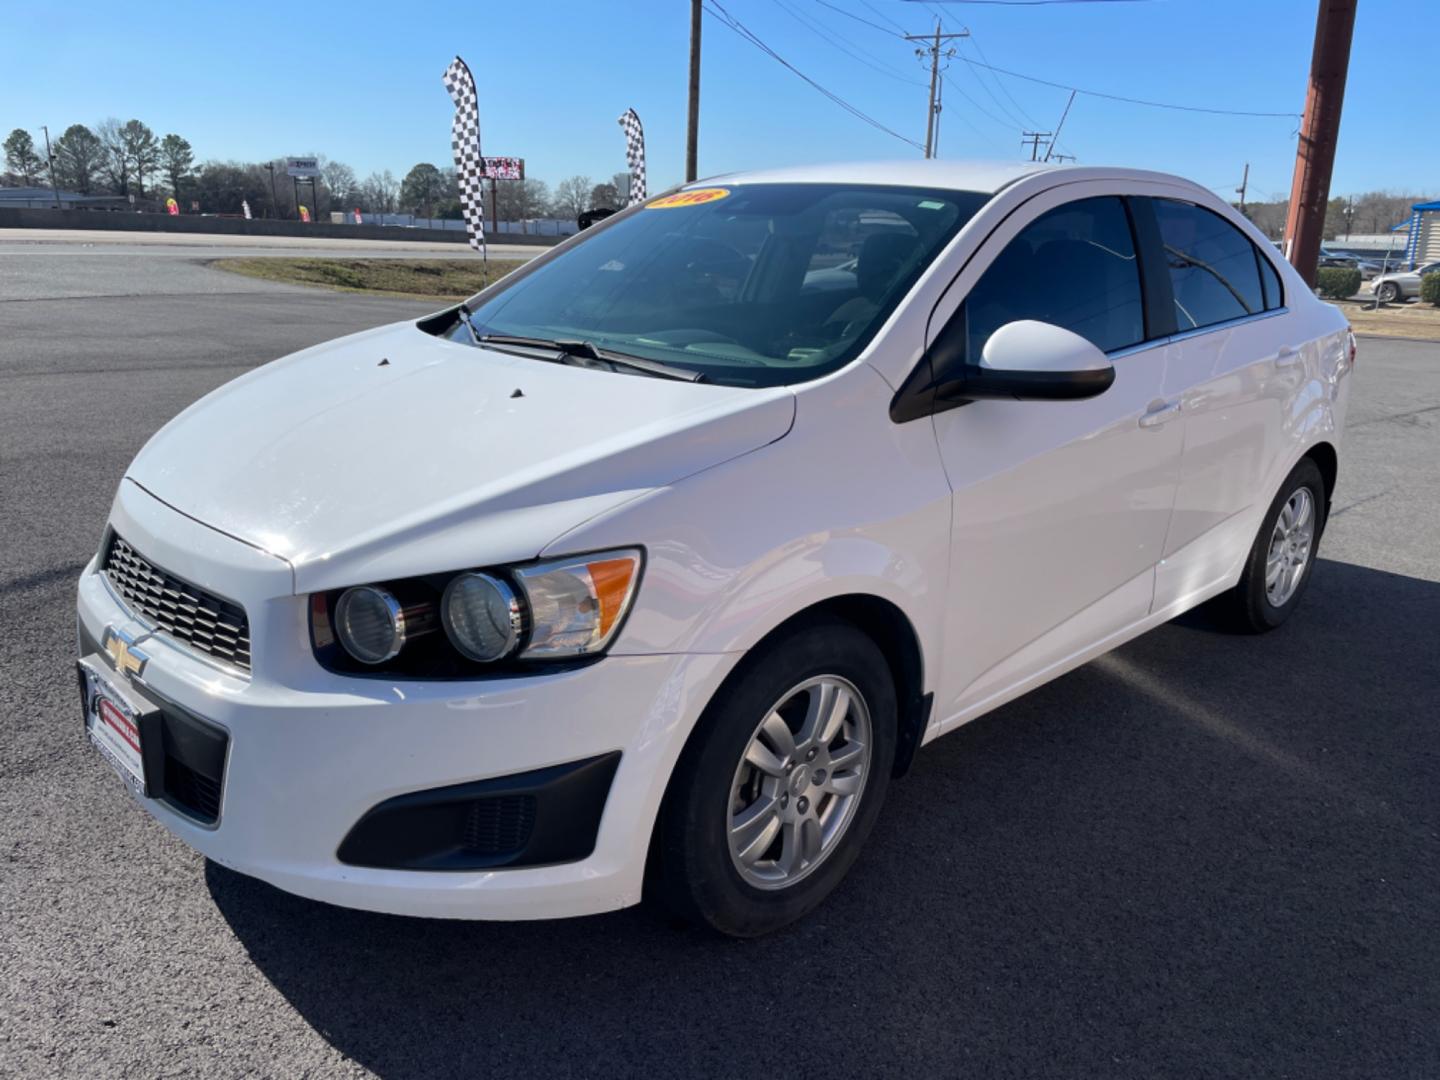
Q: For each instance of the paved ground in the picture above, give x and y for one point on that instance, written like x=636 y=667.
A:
x=44 y=264
x=1199 y=856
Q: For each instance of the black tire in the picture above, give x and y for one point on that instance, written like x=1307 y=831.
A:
x=1387 y=292
x=1247 y=607
x=692 y=872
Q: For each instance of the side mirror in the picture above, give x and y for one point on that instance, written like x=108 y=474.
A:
x=1029 y=360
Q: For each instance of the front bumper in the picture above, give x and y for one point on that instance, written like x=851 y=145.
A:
x=310 y=752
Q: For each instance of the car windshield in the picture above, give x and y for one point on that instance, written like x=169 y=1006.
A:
x=746 y=284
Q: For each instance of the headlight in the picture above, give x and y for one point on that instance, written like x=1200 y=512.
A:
x=482 y=616
x=370 y=624
x=576 y=604
x=551 y=610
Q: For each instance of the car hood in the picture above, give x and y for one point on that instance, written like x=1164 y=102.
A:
x=392 y=452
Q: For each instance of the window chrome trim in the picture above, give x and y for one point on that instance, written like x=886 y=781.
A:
x=1227 y=324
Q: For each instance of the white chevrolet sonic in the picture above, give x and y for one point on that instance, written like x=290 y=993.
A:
x=647 y=569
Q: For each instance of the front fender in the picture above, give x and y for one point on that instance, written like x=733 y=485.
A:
x=848 y=502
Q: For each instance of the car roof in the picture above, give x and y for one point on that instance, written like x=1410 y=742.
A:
x=956 y=175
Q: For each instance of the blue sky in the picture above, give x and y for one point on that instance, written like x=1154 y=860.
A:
x=360 y=82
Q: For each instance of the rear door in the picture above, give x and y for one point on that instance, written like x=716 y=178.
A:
x=1060 y=509
x=1232 y=365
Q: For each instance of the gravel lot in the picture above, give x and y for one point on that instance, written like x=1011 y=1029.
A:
x=1198 y=856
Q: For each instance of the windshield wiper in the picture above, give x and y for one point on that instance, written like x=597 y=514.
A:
x=587 y=350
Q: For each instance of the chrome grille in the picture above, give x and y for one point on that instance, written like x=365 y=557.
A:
x=207 y=623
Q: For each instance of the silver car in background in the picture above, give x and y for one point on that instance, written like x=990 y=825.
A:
x=1402 y=285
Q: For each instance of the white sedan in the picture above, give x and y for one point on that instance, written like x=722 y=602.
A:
x=1401 y=285
x=648 y=569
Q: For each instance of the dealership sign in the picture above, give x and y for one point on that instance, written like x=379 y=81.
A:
x=502 y=168
x=303 y=167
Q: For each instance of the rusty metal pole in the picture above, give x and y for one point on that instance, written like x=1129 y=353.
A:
x=1319 y=132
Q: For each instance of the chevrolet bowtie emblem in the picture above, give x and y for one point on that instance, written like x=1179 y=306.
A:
x=127 y=658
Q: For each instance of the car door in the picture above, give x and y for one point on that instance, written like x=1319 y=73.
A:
x=1233 y=363
x=1060 y=509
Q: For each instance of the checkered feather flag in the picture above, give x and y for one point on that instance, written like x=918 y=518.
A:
x=465 y=142
x=634 y=155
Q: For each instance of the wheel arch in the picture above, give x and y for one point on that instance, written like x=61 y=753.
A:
x=1327 y=460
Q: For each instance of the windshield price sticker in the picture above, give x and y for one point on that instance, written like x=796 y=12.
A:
x=689 y=198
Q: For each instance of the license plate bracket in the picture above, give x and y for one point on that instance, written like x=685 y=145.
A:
x=122 y=724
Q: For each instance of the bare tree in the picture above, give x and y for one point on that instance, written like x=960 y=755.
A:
x=572 y=196
x=605 y=195
x=339 y=180
x=379 y=192
x=115 y=163
x=621 y=181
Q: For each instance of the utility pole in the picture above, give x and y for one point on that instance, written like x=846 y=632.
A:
x=934 y=47
x=1049 y=152
x=1035 y=138
x=692 y=137
x=1244 y=183
x=54 y=184
x=1319 y=132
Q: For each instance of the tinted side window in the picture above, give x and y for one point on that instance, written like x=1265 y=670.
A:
x=1074 y=267
x=1212 y=266
x=1274 y=295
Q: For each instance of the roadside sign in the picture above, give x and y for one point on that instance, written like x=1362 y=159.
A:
x=502 y=168
x=172 y=206
x=302 y=167
x=304 y=213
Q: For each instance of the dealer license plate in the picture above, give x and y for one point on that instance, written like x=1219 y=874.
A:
x=115 y=718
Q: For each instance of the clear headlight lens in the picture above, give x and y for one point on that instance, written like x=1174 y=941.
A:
x=482 y=616
x=549 y=610
x=576 y=605
x=370 y=624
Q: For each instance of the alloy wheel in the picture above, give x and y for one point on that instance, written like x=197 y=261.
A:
x=798 y=785
x=1290 y=545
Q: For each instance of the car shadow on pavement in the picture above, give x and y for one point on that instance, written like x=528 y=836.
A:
x=1199 y=855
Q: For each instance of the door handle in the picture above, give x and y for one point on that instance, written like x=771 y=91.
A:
x=1159 y=413
x=1287 y=358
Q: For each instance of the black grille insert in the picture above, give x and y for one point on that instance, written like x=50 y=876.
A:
x=499 y=825
x=207 y=623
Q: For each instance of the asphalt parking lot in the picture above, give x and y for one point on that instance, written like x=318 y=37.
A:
x=1201 y=855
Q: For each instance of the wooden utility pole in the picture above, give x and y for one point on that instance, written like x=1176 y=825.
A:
x=934 y=48
x=692 y=137
x=1319 y=132
x=1244 y=183
x=1034 y=139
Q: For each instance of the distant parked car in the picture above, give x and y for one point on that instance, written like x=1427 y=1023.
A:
x=1404 y=285
x=1332 y=257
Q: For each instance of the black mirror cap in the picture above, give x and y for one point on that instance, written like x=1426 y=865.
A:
x=922 y=396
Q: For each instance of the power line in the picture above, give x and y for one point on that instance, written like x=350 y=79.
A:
x=717 y=10
x=1128 y=100
x=882 y=15
x=978 y=107
x=837 y=41
x=1036 y=3
x=1003 y=88
x=861 y=18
